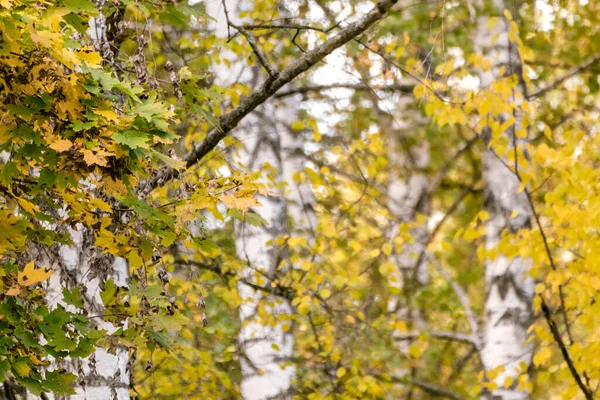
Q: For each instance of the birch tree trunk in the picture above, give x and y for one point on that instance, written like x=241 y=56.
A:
x=509 y=288
x=407 y=197
x=82 y=265
x=268 y=346
x=268 y=145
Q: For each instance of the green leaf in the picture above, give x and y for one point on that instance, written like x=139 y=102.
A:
x=4 y=367
x=73 y=297
x=79 y=126
x=171 y=162
x=159 y=338
x=207 y=116
x=22 y=367
x=9 y=172
x=58 y=381
x=76 y=6
x=25 y=113
x=132 y=139
x=108 y=294
x=254 y=219
x=149 y=110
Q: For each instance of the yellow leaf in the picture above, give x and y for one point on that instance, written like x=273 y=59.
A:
x=492 y=22
x=340 y=372
x=240 y=203
x=135 y=260
x=97 y=203
x=37 y=361
x=400 y=326
x=91 y=58
x=316 y=134
x=108 y=114
x=61 y=145
x=98 y=158
x=303 y=308
x=31 y=276
x=414 y=351
x=419 y=90
x=387 y=248
x=27 y=206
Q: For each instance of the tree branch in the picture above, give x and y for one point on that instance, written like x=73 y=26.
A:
x=277 y=290
x=572 y=72
x=402 y=87
x=442 y=335
x=463 y=297
x=229 y=121
x=563 y=349
x=434 y=389
x=428 y=387
x=262 y=58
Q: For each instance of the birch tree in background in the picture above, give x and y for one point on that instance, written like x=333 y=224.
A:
x=267 y=144
x=510 y=289
x=408 y=188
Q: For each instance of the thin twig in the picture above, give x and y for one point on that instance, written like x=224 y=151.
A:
x=262 y=58
x=572 y=72
x=402 y=87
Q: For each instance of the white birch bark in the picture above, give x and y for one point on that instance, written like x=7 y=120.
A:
x=267 y=346
x=509 y=288
x=269 y=145
x=102 y=375
x=407 y=192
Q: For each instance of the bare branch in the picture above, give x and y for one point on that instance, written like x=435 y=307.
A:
x=402 y=87
x=442 y=335
x=284 y=26
x=426 y=386
x=434 y=389
x=572 y=72
x=262 y=58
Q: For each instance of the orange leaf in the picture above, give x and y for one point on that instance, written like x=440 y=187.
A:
x=14 y=291
x=240 y=203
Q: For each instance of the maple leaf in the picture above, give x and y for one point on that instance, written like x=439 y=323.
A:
x=240 y=203
x=98 y=158
x=30 y=276
x=61 y=145
x=91 y=58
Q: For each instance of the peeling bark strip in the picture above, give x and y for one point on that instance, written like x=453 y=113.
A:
x=229 y=121
x=510 y=289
